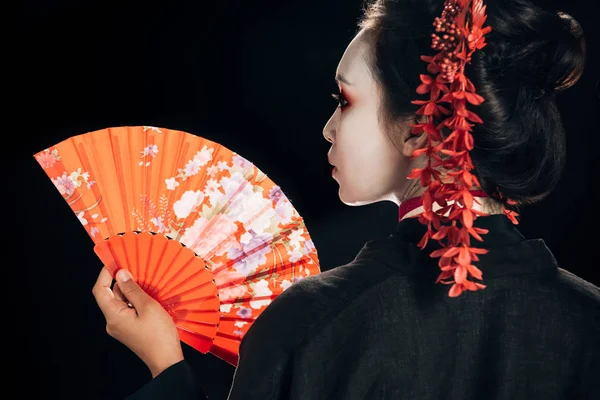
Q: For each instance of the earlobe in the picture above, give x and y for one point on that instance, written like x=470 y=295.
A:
x=413 y=141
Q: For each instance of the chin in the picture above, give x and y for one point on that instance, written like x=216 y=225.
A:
x=354 y=200
x=365 y=197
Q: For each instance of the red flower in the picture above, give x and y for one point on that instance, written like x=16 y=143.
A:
x=452 y=223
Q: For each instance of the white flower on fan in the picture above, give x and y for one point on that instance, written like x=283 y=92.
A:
x=94 y=230
x=78 y=176
x=245 y=238
x=230 y=186
x=285 y=210
x=296 y=237
x=225 y=308
x=204 y=156
x=151 y=150
x=192 y=168
x=222 y=165
x=252 y=254
x=152 y=128
x=158 y=222
x=188 y=203
x=171 y=183
x=255 y=212
x=219 y=236
x=261 y=290
x=295 y=254
x=211 y=170
x=285 y=284
x=81 y=219
x=241 y=162
x=232 y=183
x=64 y=184
x=240 y=324
x=211 y=185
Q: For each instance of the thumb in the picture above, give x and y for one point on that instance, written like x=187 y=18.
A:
x=131 y=290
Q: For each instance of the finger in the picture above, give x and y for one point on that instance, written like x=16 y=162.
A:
x=119 y=295
x=102 y=292
x=117 y=291
x=131 y=290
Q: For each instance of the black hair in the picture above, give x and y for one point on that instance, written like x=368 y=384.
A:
x=532 y=53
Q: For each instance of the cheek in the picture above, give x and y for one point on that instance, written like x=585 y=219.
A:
x=362 y=146
x=369 y=162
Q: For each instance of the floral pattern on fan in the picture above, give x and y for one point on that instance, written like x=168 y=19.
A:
x=190 y=189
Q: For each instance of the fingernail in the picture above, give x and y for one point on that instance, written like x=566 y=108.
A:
x=123 y=275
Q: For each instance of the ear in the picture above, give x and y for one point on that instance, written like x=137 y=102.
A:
x=412 y=142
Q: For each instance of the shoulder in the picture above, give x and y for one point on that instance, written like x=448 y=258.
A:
x=582 y=294
x=310 y=302
x=565 y=298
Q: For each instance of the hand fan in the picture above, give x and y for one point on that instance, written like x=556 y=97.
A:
x=203 y=230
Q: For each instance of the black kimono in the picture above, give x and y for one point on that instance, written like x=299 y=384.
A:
x=380 y=328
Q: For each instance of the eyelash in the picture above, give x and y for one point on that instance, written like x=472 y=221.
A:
x=340 y=98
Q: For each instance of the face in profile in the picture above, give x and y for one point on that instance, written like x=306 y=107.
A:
x=369 y=166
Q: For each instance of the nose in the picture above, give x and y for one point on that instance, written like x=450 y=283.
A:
x=329 y=129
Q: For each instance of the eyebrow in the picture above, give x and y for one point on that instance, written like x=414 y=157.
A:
x=340 y=78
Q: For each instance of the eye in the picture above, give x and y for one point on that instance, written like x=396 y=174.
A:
x=341 y=99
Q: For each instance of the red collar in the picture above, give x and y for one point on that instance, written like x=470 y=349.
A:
x=410 y=204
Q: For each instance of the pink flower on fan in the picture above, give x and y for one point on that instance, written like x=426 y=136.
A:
x=244 y=312
x=230 y=284
x=218 y=238
x=285 y=210
x=276 y=193
x=309 y=246
x=64 y=184
x=228 y=276
x=252 y=255
x=160 y=225
x=47 y=158
x=151 y=150
x=232 y=293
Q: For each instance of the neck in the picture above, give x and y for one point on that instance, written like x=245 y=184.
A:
x=413 y=207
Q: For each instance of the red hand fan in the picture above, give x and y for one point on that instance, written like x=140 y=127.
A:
x=201 y=229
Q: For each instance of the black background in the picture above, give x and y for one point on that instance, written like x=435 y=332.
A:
x=254 y=76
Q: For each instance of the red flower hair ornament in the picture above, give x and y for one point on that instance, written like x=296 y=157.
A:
x=459 y=32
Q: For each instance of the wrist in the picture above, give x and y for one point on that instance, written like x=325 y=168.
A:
x=158 y=368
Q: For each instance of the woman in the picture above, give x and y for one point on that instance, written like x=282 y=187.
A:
x=513 y=327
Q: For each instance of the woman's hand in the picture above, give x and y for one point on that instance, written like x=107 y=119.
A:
x=138 y=321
